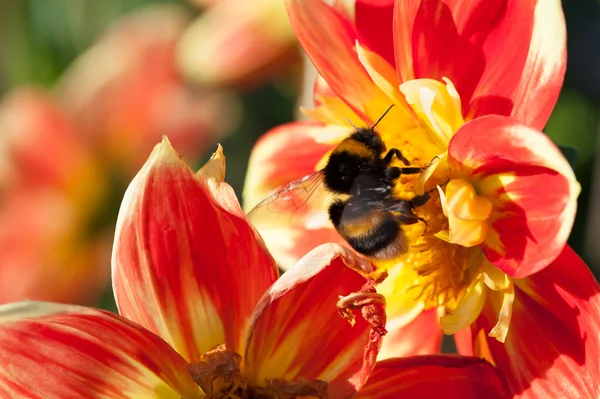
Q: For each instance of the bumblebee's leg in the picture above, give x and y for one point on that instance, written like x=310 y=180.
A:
x=411 y=170
x=421 y=199
x=411 y=218
x=394 y=172
x=390 y=155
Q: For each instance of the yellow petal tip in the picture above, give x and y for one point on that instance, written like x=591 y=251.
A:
x=215 y=167
x=164 y=153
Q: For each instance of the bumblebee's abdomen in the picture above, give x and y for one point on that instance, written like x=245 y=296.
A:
x=376 y=235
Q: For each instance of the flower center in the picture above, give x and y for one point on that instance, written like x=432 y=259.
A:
x=444 y=267
x=436 y=270
x=219 y=375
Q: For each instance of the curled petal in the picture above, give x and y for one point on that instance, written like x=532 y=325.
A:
x=496 y=68
x=505 y=299
x=297 y=331
x=443 y=376
x=467 y=214
x=467 y=310
x=438 y=106
x=57 y=351
x=551 y=349
x=531 y=185
x=238 y=43
x=186 y=263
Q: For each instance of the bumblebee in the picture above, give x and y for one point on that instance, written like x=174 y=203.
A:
x=360 y=177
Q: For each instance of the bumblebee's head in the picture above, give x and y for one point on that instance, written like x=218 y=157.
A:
x=341 y=170
x=370 y=139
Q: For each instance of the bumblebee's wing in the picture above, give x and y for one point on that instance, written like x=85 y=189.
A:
x=292 y=202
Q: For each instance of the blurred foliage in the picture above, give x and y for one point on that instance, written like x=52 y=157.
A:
x=40 y=38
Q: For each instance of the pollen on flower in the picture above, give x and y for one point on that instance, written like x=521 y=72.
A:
x=440 y=273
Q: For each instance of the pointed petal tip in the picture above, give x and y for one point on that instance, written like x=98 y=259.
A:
x=215 y=168
x=164 y=153
x=176 y=233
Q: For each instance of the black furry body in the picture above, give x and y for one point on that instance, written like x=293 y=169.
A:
x=370 y=218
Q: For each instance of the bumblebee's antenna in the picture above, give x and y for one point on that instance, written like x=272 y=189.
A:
x=381 y=117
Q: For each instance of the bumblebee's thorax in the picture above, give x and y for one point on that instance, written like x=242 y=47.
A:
x=356 y=155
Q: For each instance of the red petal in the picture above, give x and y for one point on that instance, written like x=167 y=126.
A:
x=531 y=185
x=422 y=336
x=441 y=376
x=297 y=331
x=57 y=351
x=499 y=54
x=552 y=346
x=186 y=263
x=464 y=341
x=328 y=38
x=374 y=27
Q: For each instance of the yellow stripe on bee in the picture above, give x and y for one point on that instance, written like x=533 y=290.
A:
x=363 y=225
x=353 y=147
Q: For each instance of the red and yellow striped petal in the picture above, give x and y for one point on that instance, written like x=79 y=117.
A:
x=496 y=68
x=186 y=263
x=530 y=184
x=328 y=38
x=374 y=27
x=441 y=376
x=48 y=351
x=422 y=336
x=552 y=346
x=297 y=330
